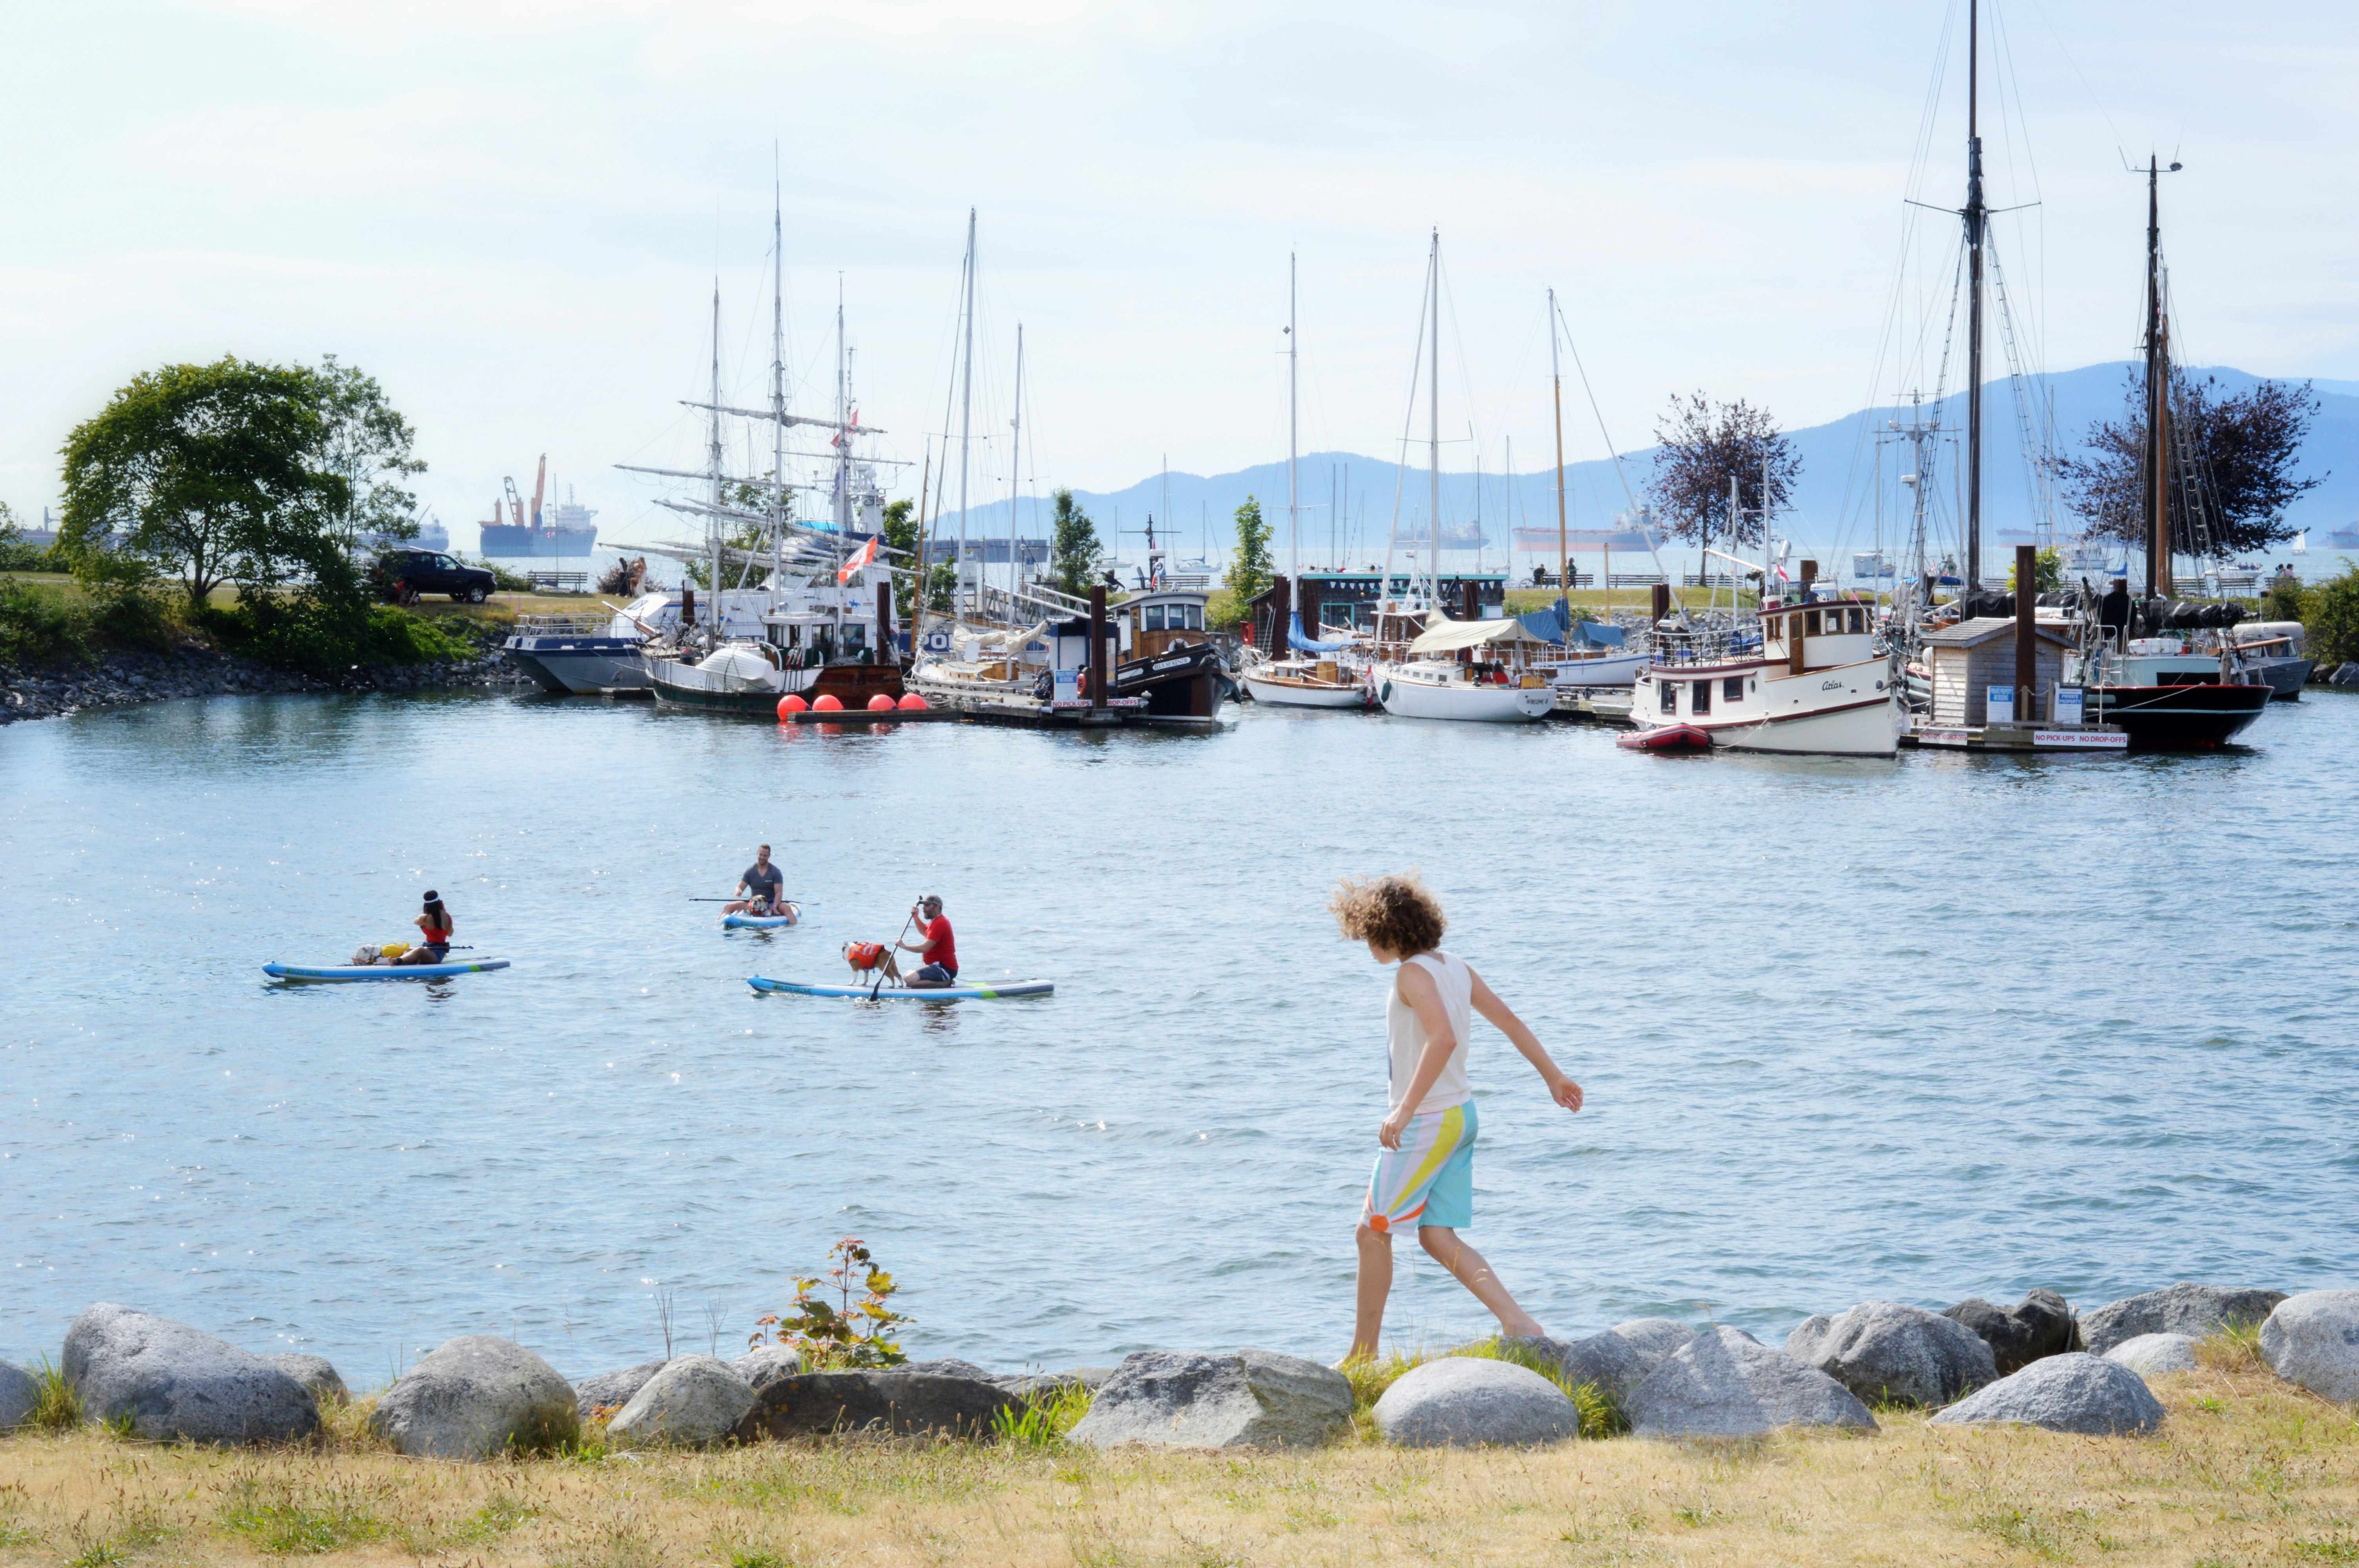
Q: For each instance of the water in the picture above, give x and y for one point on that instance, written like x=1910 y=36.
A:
x=1913 y=1030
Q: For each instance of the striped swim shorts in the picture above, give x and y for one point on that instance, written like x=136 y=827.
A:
x=1430 y=1179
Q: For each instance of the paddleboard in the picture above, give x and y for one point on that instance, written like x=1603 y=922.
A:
x=761 y=922
x=378 y=972
x=906 y=993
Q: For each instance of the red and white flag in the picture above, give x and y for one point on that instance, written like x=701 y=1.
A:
x=867 y=554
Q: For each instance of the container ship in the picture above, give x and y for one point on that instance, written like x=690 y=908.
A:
x=564 y=529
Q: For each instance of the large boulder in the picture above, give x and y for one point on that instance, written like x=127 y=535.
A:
x=18 y=1394
x=949 y=1366
x=2313 y=1339
x=765 y=1362
x=693 y=1402
x=2038 y=1326
x=1244 y=1399
x=1606 y=1362
x=174 y=1382
x=1653 y=1339
x=1461 y=1400
x=1895 y=1354
x=610 y=1391
x=2151 y=1355
x=2072 y=1392
x=316 y=1373
x=1040 y=1385
x=2195 y=1311
x=891 y=1399
x=1726 y=1383
x=475 y=1397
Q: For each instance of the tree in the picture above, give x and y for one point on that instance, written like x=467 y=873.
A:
x=207 y=473
x=365 y=442
x=1249 y=569
x=901 y=534
x=2330 y=620
x=1073 y=547
x=2234 y=473
x=1703 y=448
x=2046 y=573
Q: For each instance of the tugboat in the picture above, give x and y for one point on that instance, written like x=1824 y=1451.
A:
x=1816 y=687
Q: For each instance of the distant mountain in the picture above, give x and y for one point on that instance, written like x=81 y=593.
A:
x=1835 y=505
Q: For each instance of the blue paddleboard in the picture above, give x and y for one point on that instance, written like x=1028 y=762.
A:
x=906 y=993
x=761 y=922
x=378 y=972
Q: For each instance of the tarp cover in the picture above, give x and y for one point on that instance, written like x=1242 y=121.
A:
x=1443 y=635
x=1302 y=645
x=1556 y=624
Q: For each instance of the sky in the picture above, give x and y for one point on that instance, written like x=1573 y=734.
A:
x=513 y=212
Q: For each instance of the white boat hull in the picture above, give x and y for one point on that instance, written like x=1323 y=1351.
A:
x=1287 y=694
x=1849 y=711
x=1463 y=700
x=1617 y=669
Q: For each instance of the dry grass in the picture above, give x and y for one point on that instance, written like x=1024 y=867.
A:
x=2248 y=1470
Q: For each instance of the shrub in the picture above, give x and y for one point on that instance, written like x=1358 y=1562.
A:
x=321 y=635
x=2286 y=600
x=848 y=1333
x=40 y=625
x=2330 y=622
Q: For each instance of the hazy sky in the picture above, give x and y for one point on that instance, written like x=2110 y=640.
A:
x=513 y=211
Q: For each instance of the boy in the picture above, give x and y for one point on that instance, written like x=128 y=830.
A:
x=1425 y=1176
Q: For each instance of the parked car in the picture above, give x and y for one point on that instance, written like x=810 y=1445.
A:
x=408 y=574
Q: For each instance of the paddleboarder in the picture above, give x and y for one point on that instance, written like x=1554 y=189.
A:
x=761 y=885
x=434 y=929
x=934 y=944
x=1424 y=1174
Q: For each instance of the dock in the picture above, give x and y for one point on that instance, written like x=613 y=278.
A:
x=2023 y=737
x=1594 y=704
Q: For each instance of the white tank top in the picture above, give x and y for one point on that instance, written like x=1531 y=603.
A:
x=1405 y=1036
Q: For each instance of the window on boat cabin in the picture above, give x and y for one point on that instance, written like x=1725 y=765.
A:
x=1733 y=689
x=1858 y=619
x=1811 y=627
x=1671 y=691
x=1699 y=702
x=1195 y=617
x=1154 y=618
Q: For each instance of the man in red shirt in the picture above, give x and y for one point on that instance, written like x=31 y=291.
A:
x=934 y=944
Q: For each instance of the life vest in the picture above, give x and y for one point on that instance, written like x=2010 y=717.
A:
x=865 y=955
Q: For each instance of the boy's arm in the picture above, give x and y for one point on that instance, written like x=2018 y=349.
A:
x=1561 y=1090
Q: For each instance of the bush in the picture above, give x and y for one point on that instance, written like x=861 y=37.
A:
x=1224 y=610
x=2286 y=600
x=321 y=635
x=2330 y=620
x=41 y=625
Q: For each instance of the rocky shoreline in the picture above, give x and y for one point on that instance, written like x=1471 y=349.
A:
x=122 y=678
x=479 y=1395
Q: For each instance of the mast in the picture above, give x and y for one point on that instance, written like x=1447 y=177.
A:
x=842 y=464
x=712 y=467
x=777 y=376
x=1556 y=377
x=2156 y=502
x=1015 y=469
x=1293 y=508
x=966 y=423
x=1434 y=437
x=1976 y=216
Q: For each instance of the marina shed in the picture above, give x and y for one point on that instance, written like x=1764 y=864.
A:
x=1964 y=661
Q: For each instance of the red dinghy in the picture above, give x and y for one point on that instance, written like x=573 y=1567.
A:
x=1672 y=738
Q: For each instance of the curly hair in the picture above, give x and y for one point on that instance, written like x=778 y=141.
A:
x=1396 y=913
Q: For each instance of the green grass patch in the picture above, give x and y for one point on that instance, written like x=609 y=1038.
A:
x=1371 y=1375
x=284 y=1527
x=1043 y=1419
x=58 y=1406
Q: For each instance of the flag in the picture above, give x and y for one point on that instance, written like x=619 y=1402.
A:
x=867 y=553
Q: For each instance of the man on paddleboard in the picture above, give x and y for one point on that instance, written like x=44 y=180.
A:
x=760 y=888
x=934 y=944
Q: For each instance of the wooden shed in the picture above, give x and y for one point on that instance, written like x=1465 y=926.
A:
x=1965 y=660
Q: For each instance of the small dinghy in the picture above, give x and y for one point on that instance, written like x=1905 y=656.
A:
x=906 y=993
x=762 y=922
x=1671 y=738
x=379 y=971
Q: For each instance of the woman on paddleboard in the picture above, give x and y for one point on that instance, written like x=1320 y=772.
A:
x=434 y=929
x=1424 y=1174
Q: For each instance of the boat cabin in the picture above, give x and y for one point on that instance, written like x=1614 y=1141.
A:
x=1351 y=599
x=1819 y=636
x=1964 y=661
x=1159 y=620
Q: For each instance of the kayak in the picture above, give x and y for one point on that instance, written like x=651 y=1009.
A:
x=760 y=922
x=907 y=993
x=378 y=972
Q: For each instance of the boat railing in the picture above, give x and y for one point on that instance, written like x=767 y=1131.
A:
x=572 y=625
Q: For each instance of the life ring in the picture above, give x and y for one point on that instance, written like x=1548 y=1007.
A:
x=1081 y=683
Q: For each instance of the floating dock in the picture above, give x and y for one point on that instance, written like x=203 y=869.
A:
x=2021 y=738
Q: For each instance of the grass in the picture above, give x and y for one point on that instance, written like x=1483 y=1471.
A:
x=2270 y=1478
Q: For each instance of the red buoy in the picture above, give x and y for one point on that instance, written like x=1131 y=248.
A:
x=827 y=704
x=790 y=703
x=880 y=703
x=913 y=703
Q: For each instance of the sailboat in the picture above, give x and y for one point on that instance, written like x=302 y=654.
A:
x=1310 y=674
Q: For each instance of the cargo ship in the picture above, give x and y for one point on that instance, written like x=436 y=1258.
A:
x=564 y=529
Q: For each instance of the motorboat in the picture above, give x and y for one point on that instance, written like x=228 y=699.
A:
x=1303 y=682
x=2273 y=650
x=1474 y=671
x=591 y=654
x=1815 y=685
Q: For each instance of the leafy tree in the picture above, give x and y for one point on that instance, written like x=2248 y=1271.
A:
x=1073 y=547
x=2236 y=473
x=1249 y=569
x=901 y=534
x=365 y=442
x=1703 y=448
x=2046 y=573
x=206 y=473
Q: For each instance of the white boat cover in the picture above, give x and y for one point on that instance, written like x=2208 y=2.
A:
x=1443 y=635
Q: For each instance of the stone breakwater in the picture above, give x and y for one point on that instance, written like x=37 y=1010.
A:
x=480 y=1396
x=118 y=680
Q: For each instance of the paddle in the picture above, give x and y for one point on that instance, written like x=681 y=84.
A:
x=893 y=952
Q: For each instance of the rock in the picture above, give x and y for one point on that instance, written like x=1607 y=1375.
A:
x=2072 y=1392
x=475 y=1397
x=18 y=1394
x=2313 y=1339
x=1726 y=1383
x=315 y=1373
x=610 y=1391
x=2345 y=675
x=1653 y=1339
x=2039 y=1325
x=893 y=1399
x=1607 y=1361
x=1038 y=1385
x=1885 y=1351
x=2192 y=1310
x=693 y=1401
x=764 y=1363
x=1238 y=1400
x=2151 y=1354
x=175 y=1382
x=1461 y=1400
x=949 y=1366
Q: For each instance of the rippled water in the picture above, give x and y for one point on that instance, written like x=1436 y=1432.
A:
x=1917 y=1030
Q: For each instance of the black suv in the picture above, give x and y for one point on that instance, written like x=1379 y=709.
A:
x=408 y=574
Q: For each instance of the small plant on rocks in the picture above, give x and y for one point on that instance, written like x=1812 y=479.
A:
x=845 y=1333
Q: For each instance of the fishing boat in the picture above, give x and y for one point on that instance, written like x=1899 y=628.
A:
x=1815 y=685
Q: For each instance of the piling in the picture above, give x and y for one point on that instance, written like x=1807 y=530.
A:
x=1661 y=608
x=2027 y=647
x=1098 y=671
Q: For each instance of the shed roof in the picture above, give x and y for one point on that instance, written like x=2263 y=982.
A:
x=1972 y=633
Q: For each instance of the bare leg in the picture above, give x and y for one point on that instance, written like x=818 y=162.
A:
x=1376 y=1285
x=1476 y=1276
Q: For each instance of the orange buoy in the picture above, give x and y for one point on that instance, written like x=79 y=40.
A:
x=913 y=703
x=790 y=703
x=827 y=704
x=880 y=703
